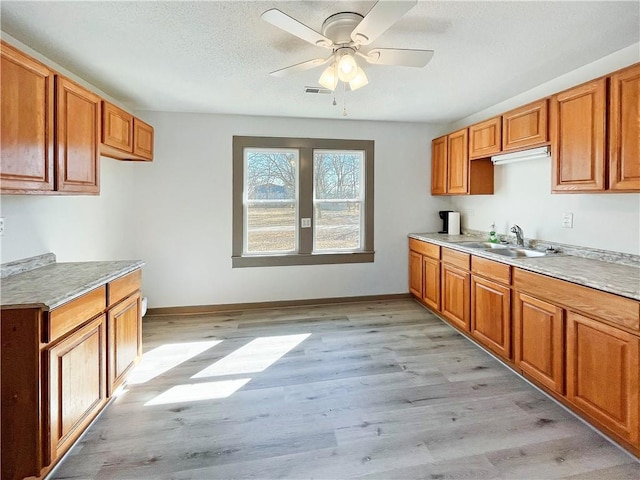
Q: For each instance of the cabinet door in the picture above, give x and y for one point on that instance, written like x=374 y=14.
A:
x=78 y=123
x=117 y=127
x=458 y=163
x=124 y=327
x=485 y=138
x=578 y=138
x=624 y=130
x=26 y=106
x=431 y=275
x=439 y=166
x=539 y=341
x=415 y=273
x=143 y=139
x=602 y=374
x=77 y=384
x=525 y=126
x=455 y=296
x=491 y=315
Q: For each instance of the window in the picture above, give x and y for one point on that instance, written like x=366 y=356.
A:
x=299 y=201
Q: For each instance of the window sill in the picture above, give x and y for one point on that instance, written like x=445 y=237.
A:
x=301 y=259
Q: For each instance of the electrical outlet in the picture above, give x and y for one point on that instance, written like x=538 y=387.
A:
x=305 y=223
x=1 y=226
x=567 y=220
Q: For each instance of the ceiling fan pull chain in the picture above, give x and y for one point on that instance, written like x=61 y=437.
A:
x=344 y=99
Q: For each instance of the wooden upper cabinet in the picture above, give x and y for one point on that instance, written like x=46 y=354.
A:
x=458 y=162
x=525 y=127
x=578 y=128
x=439 y=166
x=117 y=127
x=78 y=133
x=26 y=106
x=603 y=366
x=143 y=139
x=485 y=138
x=125 y=137
x=624 y=130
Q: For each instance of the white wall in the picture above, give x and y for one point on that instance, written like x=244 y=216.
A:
x=523 y=191
x=184 y=205
x=75 y=228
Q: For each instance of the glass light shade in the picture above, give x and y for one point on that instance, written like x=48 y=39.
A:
x=360 y=80
x=347 y=67
x=329 y=79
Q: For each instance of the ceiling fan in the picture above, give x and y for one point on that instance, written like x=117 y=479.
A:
x=348 y=35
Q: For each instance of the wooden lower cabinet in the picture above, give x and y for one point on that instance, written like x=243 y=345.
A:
x=415 y=273
x=125 y=340
x=455 y=286
x=77 y=385
x=603 y=366
x=491 y=315
x=431 y=282
x=539 y=340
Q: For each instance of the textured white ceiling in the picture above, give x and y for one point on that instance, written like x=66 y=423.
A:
x=215 y=56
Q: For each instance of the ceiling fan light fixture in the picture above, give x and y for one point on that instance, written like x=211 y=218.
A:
x=360 y=80
x=329 y=79
x=347 y=67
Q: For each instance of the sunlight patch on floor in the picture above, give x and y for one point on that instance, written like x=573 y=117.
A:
x=255 y=356
x=198 y=391
x=162 y=359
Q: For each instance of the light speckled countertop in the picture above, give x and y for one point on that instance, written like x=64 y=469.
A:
x=50 y=286
x=622 y=280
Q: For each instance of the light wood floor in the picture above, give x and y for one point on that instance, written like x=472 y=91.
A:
x=378 y=390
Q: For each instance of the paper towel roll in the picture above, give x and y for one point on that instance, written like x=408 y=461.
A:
x=454 y=223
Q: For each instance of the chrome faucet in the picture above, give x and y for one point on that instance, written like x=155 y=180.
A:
x=519 y=237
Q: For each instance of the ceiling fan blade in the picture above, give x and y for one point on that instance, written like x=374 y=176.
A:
x=379 y=19
x=299 y=67
x=294 y=27
x=397 y=56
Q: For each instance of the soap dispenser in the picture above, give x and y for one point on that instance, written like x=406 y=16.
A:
x=493 y=238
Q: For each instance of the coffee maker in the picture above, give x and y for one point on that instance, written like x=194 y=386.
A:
x=444 y=215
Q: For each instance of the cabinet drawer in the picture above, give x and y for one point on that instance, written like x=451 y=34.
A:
x=71 y=315
x=456 y=258
x=611 y=308
x=124 y=286
x=490 y=269
x=427 y=249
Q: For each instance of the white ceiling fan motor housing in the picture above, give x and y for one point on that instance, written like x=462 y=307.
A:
x=338 y=27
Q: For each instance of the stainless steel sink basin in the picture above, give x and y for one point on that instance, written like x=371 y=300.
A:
x=482 y=245
x=519 y=252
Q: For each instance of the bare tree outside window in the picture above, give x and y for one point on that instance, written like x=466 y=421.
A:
x=338 y=199
x=271 y=198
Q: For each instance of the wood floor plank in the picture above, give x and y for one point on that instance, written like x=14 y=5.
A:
x=377 y=390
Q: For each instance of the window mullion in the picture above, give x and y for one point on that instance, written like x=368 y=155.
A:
x=305 y=200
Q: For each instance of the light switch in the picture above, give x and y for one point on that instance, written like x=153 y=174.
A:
x=567 y=220
x=305 y=223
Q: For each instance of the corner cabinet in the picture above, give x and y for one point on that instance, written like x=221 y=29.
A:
x=59 y=369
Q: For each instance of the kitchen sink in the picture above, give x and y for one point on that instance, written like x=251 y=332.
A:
x=482 y=245
x=519 y=253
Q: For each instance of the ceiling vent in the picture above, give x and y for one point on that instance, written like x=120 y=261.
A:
x=321 y=90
